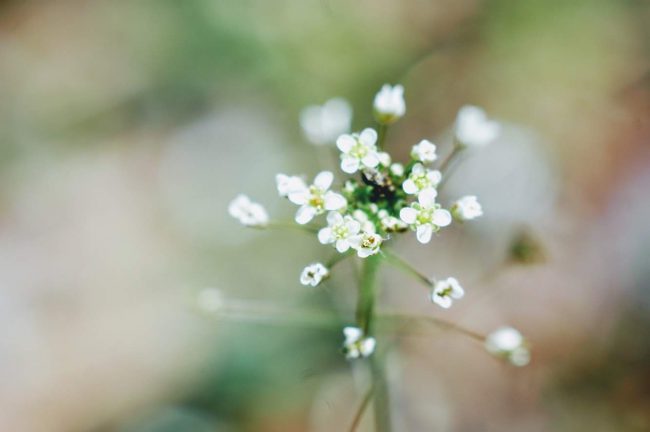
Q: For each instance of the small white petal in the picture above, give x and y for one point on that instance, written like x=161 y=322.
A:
x=371 y=160
x=334 y=218
x=410 y=187
x=397 y=169
x=367 y=346
x=353 y=226
x=334 y=201
x=323 y=180
x=423 y=233
x=427 y=198
x=299 y=197
x=352 y=334
x=355 y=241
x=305 y=214
x=408 y=215
x=441 y=217
x=325 y=235
x=444 y=302
x=368 y=137
x=418 y=168
x=345 y=143
x=384 y=158
x=349 y=164
x=434 y=177
x=342 y=245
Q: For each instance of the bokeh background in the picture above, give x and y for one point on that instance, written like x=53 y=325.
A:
x=126 y=128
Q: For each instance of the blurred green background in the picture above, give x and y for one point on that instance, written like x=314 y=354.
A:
x=126 y=128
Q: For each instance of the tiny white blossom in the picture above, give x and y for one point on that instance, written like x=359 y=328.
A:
x=466 y=208
x=358 y=150
x=473 y=128
x=421 y=179
x=424 y=151
x=340 y=231
x=425 y=216
x=364 y=220
x=313 y=274
x=445 y=291
x=389 y=105
x=508 y=343
x=397 y=169
x=390 y=223
x=384 y=158
x=248 y=212
x=322 y=124
x=317 y=198
x=366 y=243
x=350 y=187
x=356 y=344
x=289 y=184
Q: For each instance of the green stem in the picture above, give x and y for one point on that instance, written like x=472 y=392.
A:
x=381 y=399
x=448 y=164
x=445 y=164
x=366 y=302
x=337 y=258
x=382 y=130
x=362 y=408
x=365 y=318
x=406 y=267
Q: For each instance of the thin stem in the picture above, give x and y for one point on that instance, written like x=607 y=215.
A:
x=381 y=400
x=406 y=267
x=456 y=151
x=447 y=165
x=366 y=301
x=437 y=322
x=362 y=408
x=256 y=313
x=382 y=130
x=337 y=259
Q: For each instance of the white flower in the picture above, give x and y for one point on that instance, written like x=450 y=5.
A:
x=313 y=274
x=384 y=158
x=340 y=230
x=390 y=223
x=389 y=105
x=356 y=344
x=445 y=291
x=359 y=150
x=366 y=244
x=317 y=198
x=397 y=169
x=425 y=216
x=349 y=187
x=421 y=179
x=473 y=128
x=466 y=208
x=247 y=212
x=323 y=124
x=508 y=343
x=424 y=151
x=364 y=220
x=289 y=184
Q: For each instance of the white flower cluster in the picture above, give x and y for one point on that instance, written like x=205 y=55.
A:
x=380 y=197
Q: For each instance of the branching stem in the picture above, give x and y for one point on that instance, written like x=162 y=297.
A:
x=400 y=263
